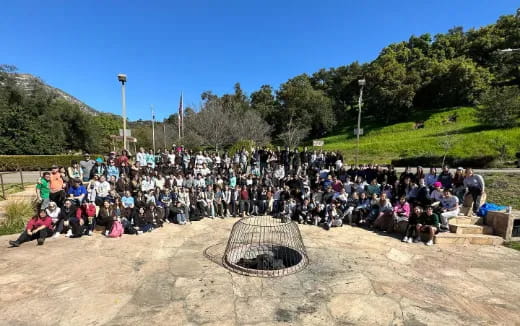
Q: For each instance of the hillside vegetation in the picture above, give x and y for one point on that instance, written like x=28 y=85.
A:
x=455 y=132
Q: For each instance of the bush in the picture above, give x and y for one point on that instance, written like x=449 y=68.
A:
x=17 y=214
x=36 y=162
x=500 y=107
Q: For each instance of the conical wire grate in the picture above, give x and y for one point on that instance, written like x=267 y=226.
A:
x=265 y=246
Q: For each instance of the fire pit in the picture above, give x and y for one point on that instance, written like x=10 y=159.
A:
x=265 y=246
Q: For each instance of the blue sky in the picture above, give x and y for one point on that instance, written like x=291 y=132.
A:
x=166 y=47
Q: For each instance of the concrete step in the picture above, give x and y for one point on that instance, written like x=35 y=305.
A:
x=466 y=220
x=470 y=229
x=465 y=239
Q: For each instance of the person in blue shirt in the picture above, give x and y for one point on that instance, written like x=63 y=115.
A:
x=77 y=192
x=112 y=170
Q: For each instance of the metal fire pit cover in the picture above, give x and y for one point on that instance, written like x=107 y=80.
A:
x=265 y=246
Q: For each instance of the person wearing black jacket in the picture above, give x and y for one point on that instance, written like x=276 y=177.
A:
x=67 y=220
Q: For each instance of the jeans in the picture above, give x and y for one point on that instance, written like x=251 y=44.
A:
x=42 y=234
x=181 y=218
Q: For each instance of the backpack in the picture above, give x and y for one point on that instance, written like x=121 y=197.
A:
x=117 y=230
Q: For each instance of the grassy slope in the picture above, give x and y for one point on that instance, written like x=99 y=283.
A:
x=382 y=143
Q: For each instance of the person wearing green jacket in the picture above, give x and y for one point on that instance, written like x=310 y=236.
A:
x=428 y=222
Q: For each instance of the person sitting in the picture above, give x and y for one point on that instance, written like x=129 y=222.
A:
x=427 y=222
x=436 y=195
x=401 y=212
x=106 y=216
x=449 y=209
x=177 y=211
x=87 y=213
x=384 y=220
x=53 y=211
x=38 y=228
x=410 y=232
x=67 y=213
x=77 y=192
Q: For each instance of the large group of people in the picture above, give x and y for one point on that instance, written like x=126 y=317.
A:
x=135 y=194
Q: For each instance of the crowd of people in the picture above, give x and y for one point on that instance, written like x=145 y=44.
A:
x=136 y=194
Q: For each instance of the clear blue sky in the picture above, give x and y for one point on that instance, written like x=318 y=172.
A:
x=166 y=47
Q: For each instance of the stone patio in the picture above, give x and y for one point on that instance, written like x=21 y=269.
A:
x=164 y=278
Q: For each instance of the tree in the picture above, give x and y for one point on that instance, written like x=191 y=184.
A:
x=293 y=134
x=313 y=107
x=500 y=107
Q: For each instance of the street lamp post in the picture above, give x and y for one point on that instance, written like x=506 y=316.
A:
x=361 y=84
x=122 y=79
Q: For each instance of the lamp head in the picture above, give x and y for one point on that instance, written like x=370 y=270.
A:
x=121 y=78
x=361 y=82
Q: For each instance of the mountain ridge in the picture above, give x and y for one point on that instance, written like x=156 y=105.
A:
x=27 y=82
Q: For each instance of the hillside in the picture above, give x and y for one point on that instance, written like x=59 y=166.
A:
x=28 y=82
x=454 y=129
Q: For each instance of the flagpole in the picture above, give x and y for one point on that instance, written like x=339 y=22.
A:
x=153 y=129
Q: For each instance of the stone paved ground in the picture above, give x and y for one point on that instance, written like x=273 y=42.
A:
x=354 y=277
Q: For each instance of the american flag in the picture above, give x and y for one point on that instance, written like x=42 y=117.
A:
x=181 y=117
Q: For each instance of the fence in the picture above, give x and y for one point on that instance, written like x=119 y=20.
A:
x=17 y=177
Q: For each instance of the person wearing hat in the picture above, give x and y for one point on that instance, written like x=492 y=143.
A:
x=98 y=169
x=86 y=166
x=437 y=194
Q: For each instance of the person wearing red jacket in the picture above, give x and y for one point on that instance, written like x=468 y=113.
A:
x=87 y=213
x=39 y=227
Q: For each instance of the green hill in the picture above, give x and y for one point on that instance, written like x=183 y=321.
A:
x=455 y=130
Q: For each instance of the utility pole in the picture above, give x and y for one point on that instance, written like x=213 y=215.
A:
x=153 y=129
x=361 y=83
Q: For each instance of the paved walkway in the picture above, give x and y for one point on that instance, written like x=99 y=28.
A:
x=354 y=277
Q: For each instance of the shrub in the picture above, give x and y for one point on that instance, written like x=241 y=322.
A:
x=17 y=214
x=500 y=107
x=35 y=162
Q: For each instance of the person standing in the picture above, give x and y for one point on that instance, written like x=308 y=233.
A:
x=43 y=190
x=474 y=185
x=57 y=185
x=86 y=166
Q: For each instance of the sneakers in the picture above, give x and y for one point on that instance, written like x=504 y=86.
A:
x=139 y=232
x=56 y=235
x=69 y=233
x=90 y=233
x=40 y=241
x=14 y=243
x=429 y=243
x=405 y=239
x=416 y=240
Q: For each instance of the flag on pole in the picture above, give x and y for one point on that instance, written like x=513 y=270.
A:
x=181 y=117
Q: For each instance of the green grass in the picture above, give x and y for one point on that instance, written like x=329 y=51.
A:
x=513 y=245
x=17 y=214
x=382 y=143
x=503 y=188
x=12 y=188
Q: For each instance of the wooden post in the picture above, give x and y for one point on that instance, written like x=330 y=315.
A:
x=2 y=184
x=21 y=175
